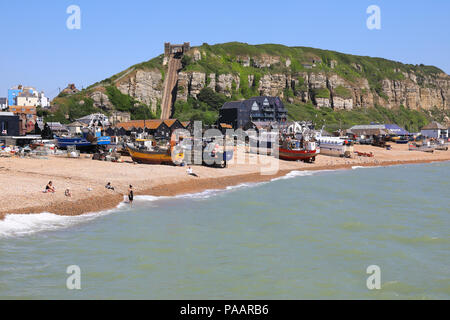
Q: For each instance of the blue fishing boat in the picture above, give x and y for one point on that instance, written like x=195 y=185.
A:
x=85 y=142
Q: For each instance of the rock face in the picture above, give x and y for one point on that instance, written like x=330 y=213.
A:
x=227 y=83
x=101 y=100
x=340 y=103
x=144 y=86
x=413 y=91
x=432 y=92
x=273 y=84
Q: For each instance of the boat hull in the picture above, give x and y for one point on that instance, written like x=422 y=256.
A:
x=336 y=150
x=295 y=155
x=82 y=143
x=151 y=157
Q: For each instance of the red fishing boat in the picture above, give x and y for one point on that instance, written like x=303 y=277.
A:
x=295 y=150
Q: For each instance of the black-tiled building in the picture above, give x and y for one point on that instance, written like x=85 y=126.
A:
x=3 y=104
x=257 y=109
x=9 y=124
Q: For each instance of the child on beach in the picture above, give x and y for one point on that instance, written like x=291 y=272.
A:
x=67 y=193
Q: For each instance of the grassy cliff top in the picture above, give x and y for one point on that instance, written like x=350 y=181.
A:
x=227 y=58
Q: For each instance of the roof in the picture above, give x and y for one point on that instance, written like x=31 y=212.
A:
x=149 y=124
x=263 y=124
x=226 y=126
x=395 y=129
x=170 y=122
x=273 y=101
x=371 y=129
x=368 y=127
x=434 y=126
x=368 y=132
x=76 y=124
x=186 y=123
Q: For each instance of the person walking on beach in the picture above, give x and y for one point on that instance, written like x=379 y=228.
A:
x=130 y=194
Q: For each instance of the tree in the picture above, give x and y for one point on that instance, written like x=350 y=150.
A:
x=211 y=98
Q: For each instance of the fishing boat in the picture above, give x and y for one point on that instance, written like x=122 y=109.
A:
x=295 y=150
x=210 y=153
x=400 y=139
x=299 y=143
x=441 y=145
x=421 y=147
x=335 y=146
x=87 y=141
x=155 y=154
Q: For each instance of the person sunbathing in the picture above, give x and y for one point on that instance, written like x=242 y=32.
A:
x=191 y=172
x=50 y=188
x=109 y=186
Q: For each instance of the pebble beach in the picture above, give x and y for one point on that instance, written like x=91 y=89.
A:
x=22 y=181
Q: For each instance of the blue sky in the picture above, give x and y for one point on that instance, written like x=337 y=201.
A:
x=38 y=49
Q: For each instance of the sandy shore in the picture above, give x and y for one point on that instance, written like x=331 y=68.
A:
x=22 y=181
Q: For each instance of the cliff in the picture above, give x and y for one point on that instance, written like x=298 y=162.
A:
x=299 y=75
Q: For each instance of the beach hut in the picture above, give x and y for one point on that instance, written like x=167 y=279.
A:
x=121 y=132
x=111 y=131
x=157 y=128
x=174 y=124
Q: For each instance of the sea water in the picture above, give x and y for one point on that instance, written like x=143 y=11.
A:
x=304 y=236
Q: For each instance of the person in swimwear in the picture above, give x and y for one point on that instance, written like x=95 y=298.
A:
x=50 y=188
x=130 y=194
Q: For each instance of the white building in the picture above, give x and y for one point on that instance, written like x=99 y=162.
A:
x=29 y=96
x=435 y=130
x=44 y=101
x=27 y=99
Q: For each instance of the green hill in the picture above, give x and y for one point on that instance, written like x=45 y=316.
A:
x=327 y=86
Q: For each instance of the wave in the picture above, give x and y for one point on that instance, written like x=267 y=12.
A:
x=296 y=174
x=19 y=225
x=206 y=194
